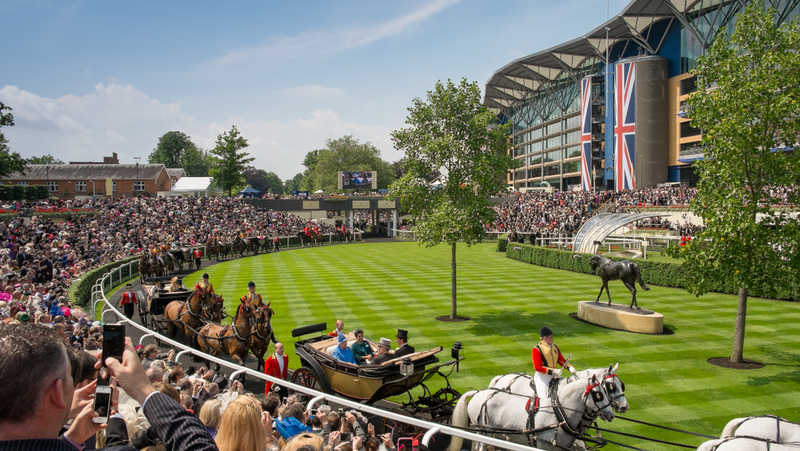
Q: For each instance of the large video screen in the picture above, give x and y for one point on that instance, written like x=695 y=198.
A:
x=360 y=179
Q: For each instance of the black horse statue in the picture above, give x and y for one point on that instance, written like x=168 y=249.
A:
x=626 y=271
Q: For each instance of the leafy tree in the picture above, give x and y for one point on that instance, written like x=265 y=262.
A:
x=9 y=161
x=197 y=162
x=266 y=182
x=231 y=160
x=454 y=134
x=171 y=148
x=294 y=183
x=342 y=155
x=44 y=159
x=747 y=106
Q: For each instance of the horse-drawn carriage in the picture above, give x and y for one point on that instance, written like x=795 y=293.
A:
x=372 y=383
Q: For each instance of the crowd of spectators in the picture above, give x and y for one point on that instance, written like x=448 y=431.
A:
x=156 y=405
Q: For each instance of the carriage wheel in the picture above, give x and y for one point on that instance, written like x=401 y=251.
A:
x=306 y=377
x=399 y=429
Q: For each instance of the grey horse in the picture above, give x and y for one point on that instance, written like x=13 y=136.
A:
x=626 y=271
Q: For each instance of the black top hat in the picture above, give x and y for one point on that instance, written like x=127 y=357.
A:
x=128 y=286
x=205 y=275
x=251 y=284
x=402 y=334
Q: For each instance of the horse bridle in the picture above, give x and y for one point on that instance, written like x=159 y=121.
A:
x=614 y=399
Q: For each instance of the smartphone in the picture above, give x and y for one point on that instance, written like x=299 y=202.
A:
x=113 y=341
x=102 y=403
x=346 y=436
x=405 y=444
x=341 y=413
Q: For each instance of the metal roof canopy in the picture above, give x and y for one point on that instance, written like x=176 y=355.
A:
x=596 y=229
x=527 y=75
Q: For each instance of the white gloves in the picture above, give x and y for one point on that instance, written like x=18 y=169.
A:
x=556 y=372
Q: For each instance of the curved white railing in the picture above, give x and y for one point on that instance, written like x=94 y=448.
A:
x=117 y=274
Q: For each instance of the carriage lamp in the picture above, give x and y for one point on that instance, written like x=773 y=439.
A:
x=406 y=367
x=457 y=353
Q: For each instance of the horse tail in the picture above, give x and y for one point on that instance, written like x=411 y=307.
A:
x=730 y=429
x=460 y=419
x=639 y=278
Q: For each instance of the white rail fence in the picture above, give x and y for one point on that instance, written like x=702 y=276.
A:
x=125 y=272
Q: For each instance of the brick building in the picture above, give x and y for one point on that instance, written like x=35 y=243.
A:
x=69 y=181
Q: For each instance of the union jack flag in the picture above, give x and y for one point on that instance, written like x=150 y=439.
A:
x=625 y=126
x=586 y=134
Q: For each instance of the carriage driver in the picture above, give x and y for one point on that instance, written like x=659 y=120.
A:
x=204 y=285
x=546 y=356
x=251 y=297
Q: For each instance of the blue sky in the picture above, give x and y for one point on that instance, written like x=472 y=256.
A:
x=88 y=78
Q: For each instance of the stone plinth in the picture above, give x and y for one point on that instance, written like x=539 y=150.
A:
x=621 y=317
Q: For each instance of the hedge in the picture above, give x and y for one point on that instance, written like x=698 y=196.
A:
x=656 y=273
x=23 y=192
x=81 y=291
x=501 y=242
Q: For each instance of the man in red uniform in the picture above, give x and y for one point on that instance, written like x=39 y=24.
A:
x=277 y=365
x=128 y=299
x=546 y=356
x=205 y=284
x=198 y=257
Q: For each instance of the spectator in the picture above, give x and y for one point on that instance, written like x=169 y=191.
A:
x=240 y=428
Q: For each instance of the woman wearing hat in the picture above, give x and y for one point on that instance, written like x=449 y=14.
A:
x=546 y=356
x=128 y=299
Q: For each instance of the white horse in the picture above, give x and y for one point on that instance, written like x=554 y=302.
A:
x=746 y=444
x=769 y=427
x=580 y=401
x=522 y=384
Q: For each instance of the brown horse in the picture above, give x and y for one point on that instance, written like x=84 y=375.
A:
x=212 y=311
x=233 y=340
x=144 y=267
x=188 y=315
x=261 y=334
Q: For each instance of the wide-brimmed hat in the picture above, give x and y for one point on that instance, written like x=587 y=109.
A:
x=385 y=342
x=402 y=334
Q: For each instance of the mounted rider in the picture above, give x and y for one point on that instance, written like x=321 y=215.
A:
x=546 y=356
x=252 y=297
x=204 y=284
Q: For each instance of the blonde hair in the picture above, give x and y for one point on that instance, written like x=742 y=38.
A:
x=240 y=428
x=209 y=413
x=303 y=439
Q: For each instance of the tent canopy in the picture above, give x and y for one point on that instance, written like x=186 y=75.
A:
x=250 y=192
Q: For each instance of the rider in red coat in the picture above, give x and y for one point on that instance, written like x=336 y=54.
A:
x=276 y=365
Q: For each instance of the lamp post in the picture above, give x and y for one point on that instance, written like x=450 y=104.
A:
x=137 y=171
x=223 y=180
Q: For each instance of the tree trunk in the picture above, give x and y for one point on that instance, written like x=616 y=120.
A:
x=738 y=333
x=453 y=287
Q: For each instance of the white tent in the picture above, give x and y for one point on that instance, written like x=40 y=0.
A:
x=194 y=187
x=319 y=191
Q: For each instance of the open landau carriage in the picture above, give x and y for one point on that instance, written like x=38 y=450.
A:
x=372 y=383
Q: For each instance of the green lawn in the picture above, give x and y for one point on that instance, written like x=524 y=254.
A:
x=384 y=286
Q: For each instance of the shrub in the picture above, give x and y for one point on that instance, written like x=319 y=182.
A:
x=656 y=273
x=81 y=291
x=501 y=242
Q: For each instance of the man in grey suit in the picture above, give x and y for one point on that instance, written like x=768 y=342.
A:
x=39 y=397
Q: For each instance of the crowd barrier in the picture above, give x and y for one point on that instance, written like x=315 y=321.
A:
x=125 y=272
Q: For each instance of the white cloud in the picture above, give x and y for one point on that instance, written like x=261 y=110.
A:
x=312 y=92
x=125 y=120
x=328 y=42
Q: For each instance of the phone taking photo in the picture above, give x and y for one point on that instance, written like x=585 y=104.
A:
x=405 y=444
x=102 y=403
x=113 y=341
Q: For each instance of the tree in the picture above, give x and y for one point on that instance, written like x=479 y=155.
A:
x=171 y=149
x=44 y=159
x=266 y=182
x=197 y=162
x=454 y=134
x=343 y=155
x=294 y=183
x=9 y=161
x=231 y=160
x=747 y=107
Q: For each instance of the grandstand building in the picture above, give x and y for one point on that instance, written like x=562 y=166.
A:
x=606 y=110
